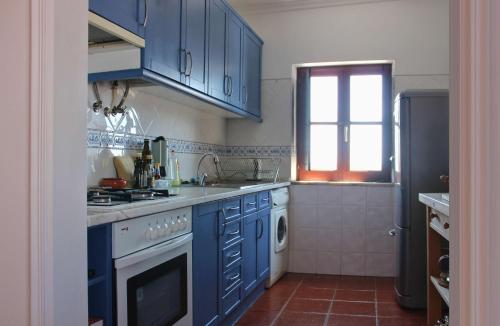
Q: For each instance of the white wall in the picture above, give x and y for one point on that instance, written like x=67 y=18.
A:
x=70 y=223
x=14 y=164
x=150 y=115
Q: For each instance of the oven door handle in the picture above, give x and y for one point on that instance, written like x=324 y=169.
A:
x=153 y=251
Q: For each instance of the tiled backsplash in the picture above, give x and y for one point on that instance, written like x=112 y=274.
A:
x=341 y=229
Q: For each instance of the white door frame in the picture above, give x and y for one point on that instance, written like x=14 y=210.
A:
x=470 y=163
x=41 y=156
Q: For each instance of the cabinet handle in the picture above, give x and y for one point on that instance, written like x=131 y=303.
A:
x=252 y=203
x=234 y=232
x=190 y=57
x=223 y=224
x=233 y=277
x=146 y=12
x=392 y=232
x=183 y=71
x=230 y=85
x=346 y=134
x=234 y=254
x=266 y=199
x=261 y=224
x=245 y=96
x=233 y=208
x=225 y=85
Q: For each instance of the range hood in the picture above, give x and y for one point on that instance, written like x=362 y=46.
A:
x=103 y=31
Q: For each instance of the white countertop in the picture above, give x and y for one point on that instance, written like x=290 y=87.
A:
x=186 y=196
x=436 y=201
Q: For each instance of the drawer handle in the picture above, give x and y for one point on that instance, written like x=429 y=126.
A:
x=235 y=254
x=252 y=203
x=233 y=277
x=234 y=232
x=234 y=208
x=265 y=199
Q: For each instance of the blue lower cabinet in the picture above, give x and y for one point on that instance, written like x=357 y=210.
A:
x=250 y=252
x=263 y=245
x=206 y=262
x=230 y=260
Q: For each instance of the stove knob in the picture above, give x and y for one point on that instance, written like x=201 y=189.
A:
x=159 y=231
x=149 y=233
x=166 y=229
x=186 y=222
x=173 y=226
x=154 y=233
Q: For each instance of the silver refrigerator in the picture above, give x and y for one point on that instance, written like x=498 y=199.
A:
x=420 y=127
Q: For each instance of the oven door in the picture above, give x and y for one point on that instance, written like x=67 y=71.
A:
x=154 y=287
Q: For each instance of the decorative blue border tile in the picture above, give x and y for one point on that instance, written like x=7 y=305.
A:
x=108 y=139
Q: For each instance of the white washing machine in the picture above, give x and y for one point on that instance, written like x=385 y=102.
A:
x=279 y=235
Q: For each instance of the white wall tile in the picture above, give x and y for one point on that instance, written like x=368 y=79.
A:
x=330 y=239
x=353 y=216
x=353 y=240
x=329 y=195
x=303 y=261
x=303 y=216
x=379 y=196
x=380 y=264
x=379 y=242
x=305 y=239
x=353 y=195
x=328 y=262
x=329 y=217
x=353 y=264
x=304 y=194
x=380 y=218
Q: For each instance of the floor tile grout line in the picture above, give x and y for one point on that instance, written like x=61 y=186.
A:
x=328 y=314
x=377 y=323
x=286 y=303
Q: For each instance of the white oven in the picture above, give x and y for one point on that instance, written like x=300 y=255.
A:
x=153 y=258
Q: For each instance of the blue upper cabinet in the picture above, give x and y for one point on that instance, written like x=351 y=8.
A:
x=129 y=14
x=217 y=79
x=234 y=59
x=162 y=53
x=194 y=47
x=252 y=53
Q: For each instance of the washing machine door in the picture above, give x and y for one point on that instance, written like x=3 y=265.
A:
x=281 y=230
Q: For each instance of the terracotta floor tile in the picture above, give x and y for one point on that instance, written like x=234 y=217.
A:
x=314 y=293
x=386 y=296
x=258 y=318
x=321 y=283
x=402 y=321
x=308 y=305
x=268 y=303
x=353 y=308
x=354 y=295
x=392 y=309
x=357 y=283
x=300 y=319
x=338 y=320
x=384 y=283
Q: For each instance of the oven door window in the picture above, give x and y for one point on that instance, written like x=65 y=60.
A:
x=158 y=296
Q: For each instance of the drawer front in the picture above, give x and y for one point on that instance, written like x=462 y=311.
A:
x=264 y=199
x=231 y=279
x=232 y=255
x=233 y=231
x=231 y=301
x=232 y=208
x=250 y=203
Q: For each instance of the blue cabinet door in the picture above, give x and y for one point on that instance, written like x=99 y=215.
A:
x=252 y=50
x=217 y=79
x=129 y=14
x=194 y=44
x=162 y=53
x=206 y=264
x=263 y=239
x=250 y=234
x=234 y=59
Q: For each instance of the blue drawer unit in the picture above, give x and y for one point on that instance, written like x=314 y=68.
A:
x=230 y=257
x=129 y=14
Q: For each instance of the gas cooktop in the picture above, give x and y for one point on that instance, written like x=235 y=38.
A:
x=115 y=197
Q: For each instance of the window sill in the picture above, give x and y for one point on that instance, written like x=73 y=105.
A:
x=344 y=183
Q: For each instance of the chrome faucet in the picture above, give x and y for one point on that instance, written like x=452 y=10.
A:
x=203 y=178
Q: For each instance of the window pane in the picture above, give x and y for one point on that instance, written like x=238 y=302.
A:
x=323 y=149
x=366 y=98
x=324 y=99
x=366 y=148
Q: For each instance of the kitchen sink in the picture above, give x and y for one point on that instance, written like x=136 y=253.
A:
x=237 y=185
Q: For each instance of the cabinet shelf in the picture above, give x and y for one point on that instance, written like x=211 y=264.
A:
x=443 y=292
x=439 y=228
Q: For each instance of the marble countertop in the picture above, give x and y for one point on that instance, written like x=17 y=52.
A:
x=185 y=196
x=436 y=201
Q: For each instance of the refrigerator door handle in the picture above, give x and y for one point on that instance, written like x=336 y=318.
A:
x=392 y=232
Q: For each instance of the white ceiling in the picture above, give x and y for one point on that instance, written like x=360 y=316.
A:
x=261 y=6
